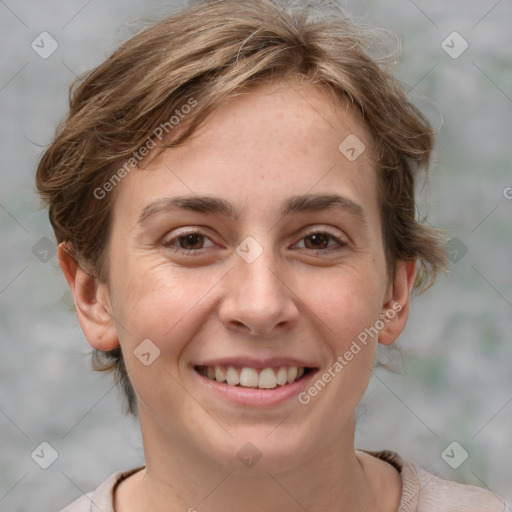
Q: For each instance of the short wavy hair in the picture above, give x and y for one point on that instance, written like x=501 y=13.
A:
x=209 y=51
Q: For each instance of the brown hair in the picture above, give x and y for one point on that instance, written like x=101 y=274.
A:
x=206 y=53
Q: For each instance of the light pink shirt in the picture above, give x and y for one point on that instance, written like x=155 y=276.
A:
x=421 y=492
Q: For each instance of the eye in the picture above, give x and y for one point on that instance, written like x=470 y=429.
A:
x=188 y=242
x=321 y=241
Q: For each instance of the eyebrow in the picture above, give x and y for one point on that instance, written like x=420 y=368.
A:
x=218 y=206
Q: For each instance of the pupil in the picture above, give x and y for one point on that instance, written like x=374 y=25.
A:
x=318 y=240
x=192 y=241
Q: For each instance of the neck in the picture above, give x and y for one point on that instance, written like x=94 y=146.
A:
x=176 y=477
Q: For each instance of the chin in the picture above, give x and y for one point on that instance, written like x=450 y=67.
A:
x=262 y=454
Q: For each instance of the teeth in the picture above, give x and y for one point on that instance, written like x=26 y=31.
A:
x=268 y=378
x=232 y=377
x=220 y=376
x=292 y=373
x=249 y=378
x=282 y=376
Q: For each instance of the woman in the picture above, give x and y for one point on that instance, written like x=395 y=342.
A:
x=233 y=197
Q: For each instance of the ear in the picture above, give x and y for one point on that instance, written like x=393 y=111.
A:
x=395 y=310
x=92 y=302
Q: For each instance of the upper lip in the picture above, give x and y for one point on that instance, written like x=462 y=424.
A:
x=258 y=363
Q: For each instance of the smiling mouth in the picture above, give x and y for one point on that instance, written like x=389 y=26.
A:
x=265 y=378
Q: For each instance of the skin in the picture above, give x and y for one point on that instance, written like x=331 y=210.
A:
x=296 y=299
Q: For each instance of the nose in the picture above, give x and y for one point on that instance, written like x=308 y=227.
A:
x=259 y=299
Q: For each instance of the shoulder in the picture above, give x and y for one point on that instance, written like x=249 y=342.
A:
x=436 y=494
x=101 y=499
x=424 y=492
x=82 y=504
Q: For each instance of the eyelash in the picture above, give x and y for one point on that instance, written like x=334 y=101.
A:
x=194 y=252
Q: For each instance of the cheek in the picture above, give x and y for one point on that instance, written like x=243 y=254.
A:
x=345 y=301
x=159 y=310
x=157 y=301
x=346 y=305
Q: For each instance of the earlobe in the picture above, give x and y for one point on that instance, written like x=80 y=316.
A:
x=396 y=308
x=91 y=302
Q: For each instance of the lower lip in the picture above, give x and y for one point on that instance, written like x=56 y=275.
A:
x=257 y=396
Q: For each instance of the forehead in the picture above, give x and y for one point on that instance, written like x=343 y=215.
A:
x=261 y=145
x=299 y=118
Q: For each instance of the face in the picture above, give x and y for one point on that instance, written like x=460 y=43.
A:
x=256 y=245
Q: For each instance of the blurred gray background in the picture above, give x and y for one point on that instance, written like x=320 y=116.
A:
x=455 y=382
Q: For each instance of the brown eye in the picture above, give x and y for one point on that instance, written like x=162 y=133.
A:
x=317 y=241
x=191 y=241
x=322 y=242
